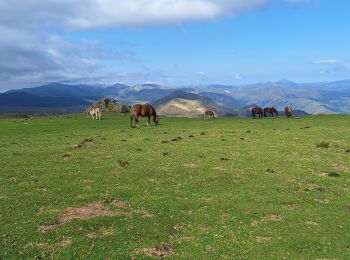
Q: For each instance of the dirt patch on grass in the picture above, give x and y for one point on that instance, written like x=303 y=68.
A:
x=312 y=223
x=263 y=239
x=101 y=233
x=120 y=204
x=290 y=206
x=144 y=213
x=122 y=164
x=269 y=170
x=347 y=208
x=66 y=157
x=91 y=210
x=268 y=218
x=191 y=165
x=160 y=251
x=273 y=217
x=340 y=167
x=54 y=247
x=322 y=201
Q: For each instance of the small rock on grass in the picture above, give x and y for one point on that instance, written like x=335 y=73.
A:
x=269 y=170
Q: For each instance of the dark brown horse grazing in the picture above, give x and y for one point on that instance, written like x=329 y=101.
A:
x=145 y=111
x=209 y=114
x=257 y=111
x=271 y=110
x=288 y=111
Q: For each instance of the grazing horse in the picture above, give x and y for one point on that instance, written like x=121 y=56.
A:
x=257 y=111
x=145 y=111
x=271 y=110
x=288 y=111
x=209 y=114
x=95 y=112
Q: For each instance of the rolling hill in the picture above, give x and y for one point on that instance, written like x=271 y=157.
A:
x=180 y=103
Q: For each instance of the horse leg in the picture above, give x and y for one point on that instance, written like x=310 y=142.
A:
x=137 y=121
x=148 y=120
x=131 y=119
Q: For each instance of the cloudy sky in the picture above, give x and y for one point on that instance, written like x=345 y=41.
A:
x=173 y=42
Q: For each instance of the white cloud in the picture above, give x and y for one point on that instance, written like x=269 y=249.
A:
x=333 y=66
x=238 y=76
x=30 y=54
x=87 y=14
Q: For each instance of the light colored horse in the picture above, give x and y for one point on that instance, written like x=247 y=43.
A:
x=94 y=112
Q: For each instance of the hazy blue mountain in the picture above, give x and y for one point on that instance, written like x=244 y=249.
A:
x=82 y=91
x=22 y=99
x=223 y=99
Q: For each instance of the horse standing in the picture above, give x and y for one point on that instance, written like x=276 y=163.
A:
x=95 y=112
x=257 y=111
x=209 y=114
x=145 y=111
x=271 y=110
x=288 y=111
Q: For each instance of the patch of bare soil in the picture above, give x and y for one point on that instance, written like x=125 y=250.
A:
x=160 y=251
x=144 y=213
x=290 y=206
x=54 y=247
x=340 y=167
x=263 y=239
x=66 y=157
x=347 y=208
x=91 y=210
x=102 y=233
x=191 y=165
x=312 y=223
x=322 y=201
x=271 y=217
x=122 y=164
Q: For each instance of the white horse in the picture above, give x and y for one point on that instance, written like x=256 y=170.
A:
x=95 y=113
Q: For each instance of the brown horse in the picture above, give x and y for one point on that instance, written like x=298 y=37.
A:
x=288 y=111
x=209 y=114
x=271 y=110
x=145 y=111
x=257 y=111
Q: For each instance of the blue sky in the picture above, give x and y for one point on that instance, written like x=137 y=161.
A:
x=177 y=43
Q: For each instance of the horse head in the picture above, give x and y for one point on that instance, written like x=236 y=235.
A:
x=156 y=119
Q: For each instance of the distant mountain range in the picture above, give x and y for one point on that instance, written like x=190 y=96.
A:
x=312 y=98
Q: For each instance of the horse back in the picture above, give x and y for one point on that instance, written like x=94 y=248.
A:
x=143 y=110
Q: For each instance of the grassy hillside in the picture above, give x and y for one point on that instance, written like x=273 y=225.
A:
x=226 y=188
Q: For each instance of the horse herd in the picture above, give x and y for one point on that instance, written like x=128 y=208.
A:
x=269 y=111
x=148 y=111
